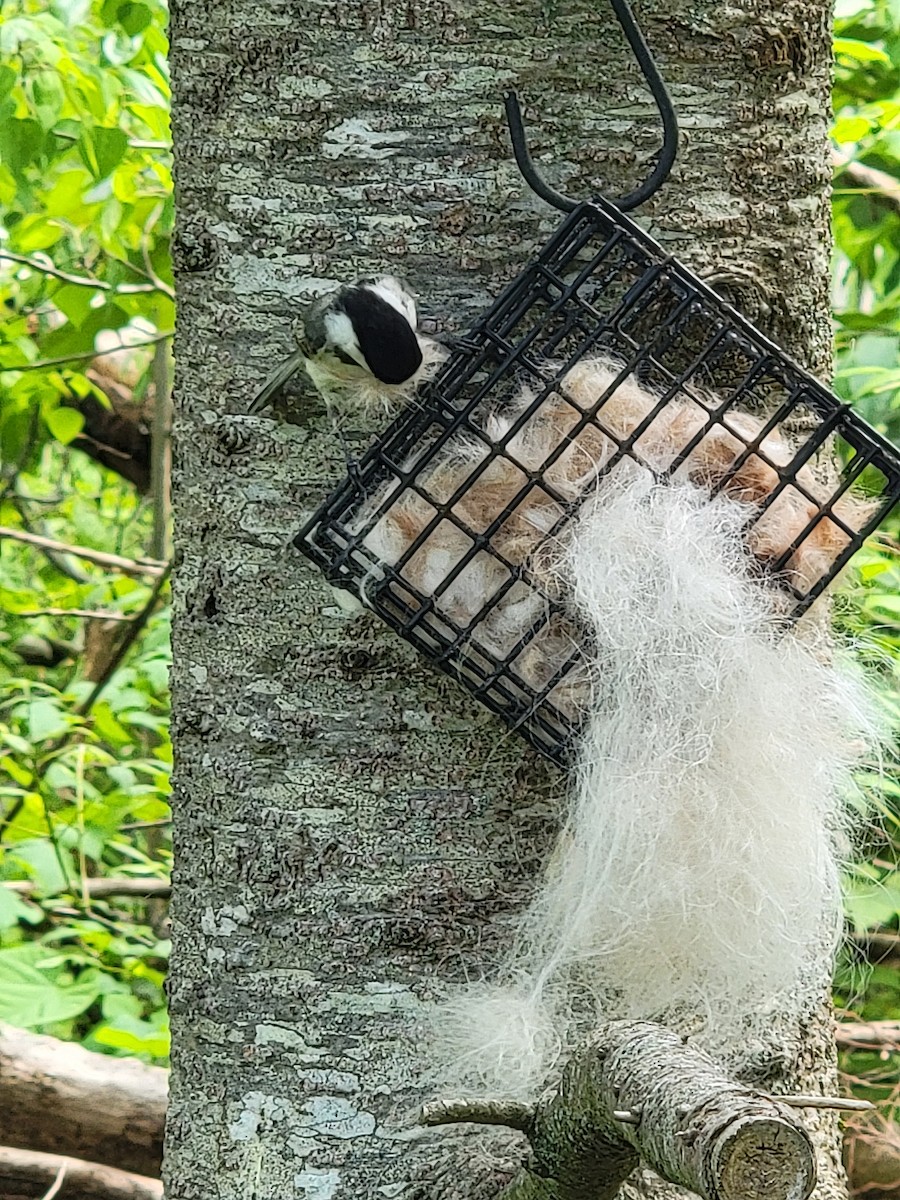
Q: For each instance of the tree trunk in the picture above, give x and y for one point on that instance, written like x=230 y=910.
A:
x=353 y=831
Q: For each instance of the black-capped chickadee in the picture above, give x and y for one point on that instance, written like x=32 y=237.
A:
x=360 y=348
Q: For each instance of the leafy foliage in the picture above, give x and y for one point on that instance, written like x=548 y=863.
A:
x=82 y=795
x=867 y=311
x=85 y=225
x=866 y=223
x=85 y=200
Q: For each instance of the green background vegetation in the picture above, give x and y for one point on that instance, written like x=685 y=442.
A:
x=85 y=228
x=86 y=217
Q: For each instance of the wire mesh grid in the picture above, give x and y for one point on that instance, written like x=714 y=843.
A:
x=450 y=525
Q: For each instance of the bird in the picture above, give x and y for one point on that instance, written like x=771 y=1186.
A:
x=361 y=349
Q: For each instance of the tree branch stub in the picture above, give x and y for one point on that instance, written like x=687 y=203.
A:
x=695 y=1126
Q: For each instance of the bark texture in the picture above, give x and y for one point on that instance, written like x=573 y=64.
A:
x=57 y=1097
x=353 y=832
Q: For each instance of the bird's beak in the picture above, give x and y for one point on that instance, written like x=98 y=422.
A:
x=276 y=381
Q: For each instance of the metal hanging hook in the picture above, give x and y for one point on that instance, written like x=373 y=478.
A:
x=666 y=111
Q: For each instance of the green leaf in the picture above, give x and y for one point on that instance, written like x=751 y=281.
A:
x=8 y=79
x=74 y=301
x=15 y=431
x=871 y=902
x=23 y=142
x=36 y=232
x=37 y=858
x=48 y=95
x=13 y=909
x=45 y=720
x=860 y=51
x=22 y=776
x=64 y=423
x=116 y=1005
x=107 y=727
x=134 y=18
x=102 y=149
x=134 y=1036
x=12 y=739
x=850 y=129
x=30 y=996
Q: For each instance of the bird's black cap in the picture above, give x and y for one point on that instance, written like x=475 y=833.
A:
x=387 y=340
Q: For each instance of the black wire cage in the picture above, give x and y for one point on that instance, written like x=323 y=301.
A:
x=605 y=354
x=601 y=292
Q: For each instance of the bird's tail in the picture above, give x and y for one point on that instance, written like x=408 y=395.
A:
x=276 y=381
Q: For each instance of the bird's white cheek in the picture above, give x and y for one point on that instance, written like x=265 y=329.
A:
x=340 y=333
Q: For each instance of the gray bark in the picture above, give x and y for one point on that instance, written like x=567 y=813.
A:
x=353 y=832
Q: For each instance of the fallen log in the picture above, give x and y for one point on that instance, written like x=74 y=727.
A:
x=58 y=1098
x=24 y=1173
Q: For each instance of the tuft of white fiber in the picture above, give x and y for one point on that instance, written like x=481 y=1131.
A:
x=697 y=874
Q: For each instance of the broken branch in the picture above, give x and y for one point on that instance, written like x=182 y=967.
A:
x=636 y=1092
x=481 y=1112
x=868 y=1035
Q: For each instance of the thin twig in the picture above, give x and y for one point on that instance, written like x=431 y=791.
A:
x=115 y=562
x=482 y=1112
x=868 y=1035
x=114 y=924
x=53 y=835
x=876 y=947
x=97 y=889
x=90 y=614
x=68 y=358
x=64 y=563
x=135 y=143
x=886 y=542
x=626 y=1116
x=159 y=284
x=884 y=186
x=160 y=451
x=99 y=285
x=131 y=636
x=53 y=1190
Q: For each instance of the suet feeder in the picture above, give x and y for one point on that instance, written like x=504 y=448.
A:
x=601 y=288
